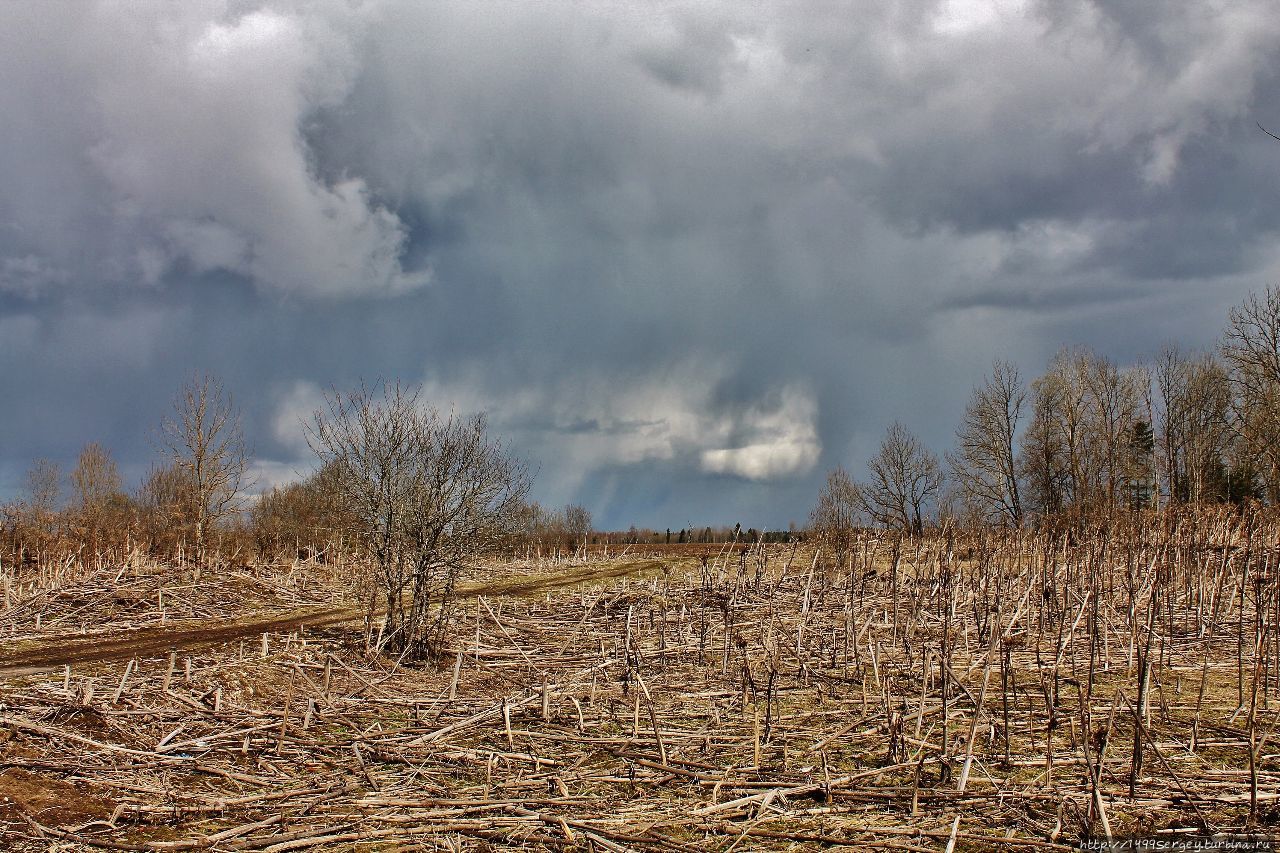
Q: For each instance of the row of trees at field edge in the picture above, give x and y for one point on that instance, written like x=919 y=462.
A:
x=197 y=497
x=1088 y=437
x=196 y=485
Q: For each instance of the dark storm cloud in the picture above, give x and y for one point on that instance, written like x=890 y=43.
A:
x=687 y=258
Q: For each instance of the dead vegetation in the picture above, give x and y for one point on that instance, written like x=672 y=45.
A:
x=1004 y=689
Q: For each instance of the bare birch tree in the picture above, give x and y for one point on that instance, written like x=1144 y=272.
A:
x=1061 y=410
x=165 y=506
x=1079 y=451
x=1251 y=349
x=96 y=478
x=205 y=440
x=1043 y=459
x=99 y=506
x=44 y=487
x=577 y=524
x=837 y=515
x=1193 y=425
x=1114 y=415
x=984 y=465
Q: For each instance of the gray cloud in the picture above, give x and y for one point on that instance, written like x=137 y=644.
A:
x=178 y=149
x=686 y=257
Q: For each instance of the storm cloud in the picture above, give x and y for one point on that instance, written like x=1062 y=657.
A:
x=687 y=257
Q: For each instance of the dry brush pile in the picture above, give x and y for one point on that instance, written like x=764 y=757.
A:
x=1014 y=689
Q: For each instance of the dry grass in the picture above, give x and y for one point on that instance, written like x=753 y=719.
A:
x=758 y=700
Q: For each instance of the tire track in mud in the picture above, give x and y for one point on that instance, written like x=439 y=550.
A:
x=47 y=653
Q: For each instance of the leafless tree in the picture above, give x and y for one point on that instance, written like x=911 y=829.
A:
x=1193 y=417
x=35 y=523
x=100 y=508
x=44 y=487
x=300 y=517
x=1043 y=459
x=1114 y=408
x=1251 y=349
x=95 y=479
x=431 y=494
x=577 y=524
x=530 y=521
x=205 y=440
x=1171 y=371
x=983 y=466
x=1082 y=448
x=905 y=480
x=1062 y=410
x=838 y=514
x=165 y=506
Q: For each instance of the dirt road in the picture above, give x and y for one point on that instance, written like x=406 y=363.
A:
x=47 y=653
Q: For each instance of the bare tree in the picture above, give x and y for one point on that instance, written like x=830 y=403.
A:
x=165 y=505
x=205 y=441
x=1061 y=408
x=530 y=521
x=44 y=487
x=838 y=513
x=431 y=494
x=1043 y=460
x=984 y=466
x=99 y=506
x=300 y=518
x=1193 y=425
x=1114 y=416
x=577 y=524
x=95 y=479
x=1079 y=451
x=1171 y=377
x=905 y=481
x=1251 y=349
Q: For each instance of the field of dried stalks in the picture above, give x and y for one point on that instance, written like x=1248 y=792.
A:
x=1013 y=691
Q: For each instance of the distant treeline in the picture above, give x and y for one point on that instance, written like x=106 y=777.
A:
x=189 y=502
x=1089 y=437
x=693 y=536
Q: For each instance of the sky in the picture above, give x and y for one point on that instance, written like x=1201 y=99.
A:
x=687 y=257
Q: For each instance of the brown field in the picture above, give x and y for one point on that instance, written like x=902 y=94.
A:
x=966 y=693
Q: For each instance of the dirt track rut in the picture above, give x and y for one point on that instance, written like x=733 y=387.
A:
x=37 y=655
